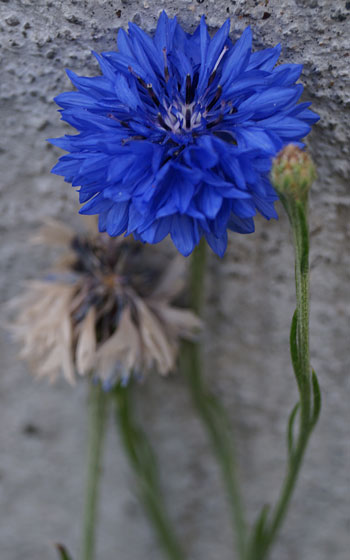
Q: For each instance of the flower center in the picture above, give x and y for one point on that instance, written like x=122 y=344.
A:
x=182 y=113
x=181 y=117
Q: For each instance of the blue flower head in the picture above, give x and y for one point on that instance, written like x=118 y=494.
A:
x=177 y=134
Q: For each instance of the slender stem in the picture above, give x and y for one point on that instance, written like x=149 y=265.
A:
x=97 y=421
x=143 y=462
x=197 y=276
x=297 y=213
x=213 y=414
x=287 y=491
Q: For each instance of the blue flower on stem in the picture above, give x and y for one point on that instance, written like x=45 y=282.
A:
x=177 y=135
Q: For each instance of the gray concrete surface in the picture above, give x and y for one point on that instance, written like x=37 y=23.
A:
x=250 y=303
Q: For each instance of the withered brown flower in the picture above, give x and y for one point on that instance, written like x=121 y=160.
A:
x=105 y=309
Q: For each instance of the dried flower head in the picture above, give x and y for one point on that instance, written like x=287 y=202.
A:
x=177 y=134
x=104 y=309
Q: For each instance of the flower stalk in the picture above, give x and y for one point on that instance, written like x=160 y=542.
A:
x=293 y=173
x=97 y=422
x=209 y=407
x=143 y=462
x=309 y=394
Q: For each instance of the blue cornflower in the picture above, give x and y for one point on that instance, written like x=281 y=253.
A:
x=177 y=135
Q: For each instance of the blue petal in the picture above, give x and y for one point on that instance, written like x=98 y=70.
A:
x=182 y=194
x=270 y=101
x=118 y=166
x=102 y=221
x=218 y=244
x=240 y=225
x=117 y=219
x=88 y=191
x=243 y=208
x=125 y=93
x=255 y=137
x=154 y=56
x=202 y=154
x=219 y=225
x=265 y=59
x=94 y=162
x=104 y=142
x=265 y=207
x=117 y=193
x=233 y=169
x=309 y=116
x=237 y=59
x=98 y=85
x=126 y=65
x=217 y=44
x=157 y=231
x=302 y=112
x=161 y=36
x=246 y=83
x=124 y=43
x=286 y=127
x=209 y=201
x=66 y=166
x=184 y=234
x=215 y=49
x=165 y=32
x=106 y=67
x=135 y=218
x=204 y=42
x=168 y=208
x=96 y=205
x=75 y=99
x=84 y=120
x=286 y=74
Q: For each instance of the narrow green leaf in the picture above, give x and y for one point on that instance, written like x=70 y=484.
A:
x=317 y=399
x=261 y=521
x=294 y=347
x=62 y=552
x=143 y=461
x=290 y=431
x=259 y=534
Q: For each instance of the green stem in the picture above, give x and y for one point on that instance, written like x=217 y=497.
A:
x=213 y=414
x=143 y=462
x=297 y=212
x=97 y=421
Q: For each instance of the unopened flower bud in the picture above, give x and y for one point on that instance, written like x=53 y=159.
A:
x=293 y=173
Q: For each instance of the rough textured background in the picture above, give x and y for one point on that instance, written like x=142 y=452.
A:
x=250 y=294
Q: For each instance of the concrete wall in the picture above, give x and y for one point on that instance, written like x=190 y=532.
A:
x=250 y=296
